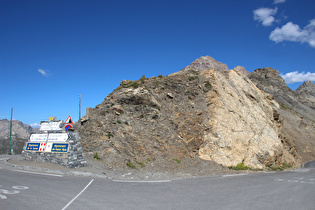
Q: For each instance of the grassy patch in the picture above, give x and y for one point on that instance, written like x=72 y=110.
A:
x=96 y=156
x=177 y=161
x=208 y=86
x=142 y=164
x=133 y=84
x=142 y=79
x=192 y=78
x=118 y=121
x=240 y=166
x=283 y=106
x=110 y=135
x=131 y=165
x=281 y=168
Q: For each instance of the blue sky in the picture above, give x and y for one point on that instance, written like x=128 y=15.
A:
x=52 y=51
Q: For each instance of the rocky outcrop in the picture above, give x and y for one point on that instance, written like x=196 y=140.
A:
x=297 y=109
x=202 y=63
x=241 y=69
x=269 y=80
x=245 y=125
x=203 y=111
x=308 y=87
x=20 y=134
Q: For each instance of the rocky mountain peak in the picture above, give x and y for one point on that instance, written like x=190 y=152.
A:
x=205 y=62
x=269 y=80
x=241 y=69
x=307 y=86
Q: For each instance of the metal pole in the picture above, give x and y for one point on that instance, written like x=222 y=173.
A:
x=79 y=106
x=10 y=132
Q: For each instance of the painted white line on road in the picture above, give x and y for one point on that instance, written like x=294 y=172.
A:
x=20 y=187
x=3 y=196
x=141 y=181
x=78 y=195
x=4 y=159
x=231 y=175
x=45 y=174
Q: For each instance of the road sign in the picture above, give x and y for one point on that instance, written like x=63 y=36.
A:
x=32 y=146
x=42 y=147
x=58 y=147
x=38 y=137
x=58 y=137
x=69 y=120
x=48 y=147
x=67 y=127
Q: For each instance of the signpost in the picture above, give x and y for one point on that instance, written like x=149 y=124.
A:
x=10 y=132
x=51 y=142
x=49 y=147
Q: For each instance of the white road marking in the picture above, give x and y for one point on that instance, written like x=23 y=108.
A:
x=45 y=174
x=4 y=159
x=9 y=192
x=20 y=187
x=78 y=195
x=229 y=175
x=141 y=181
x=3 y=196
x=300 y=180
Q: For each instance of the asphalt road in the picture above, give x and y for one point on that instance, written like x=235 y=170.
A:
x=280 y=190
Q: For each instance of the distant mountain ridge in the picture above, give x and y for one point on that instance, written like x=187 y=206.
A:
x=20 y=134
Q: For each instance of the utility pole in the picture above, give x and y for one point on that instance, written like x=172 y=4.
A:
x=10 y=132
x=79 y=106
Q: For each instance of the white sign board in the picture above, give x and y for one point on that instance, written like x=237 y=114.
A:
x=57 y=137
x=38 y=138
x=51 y=126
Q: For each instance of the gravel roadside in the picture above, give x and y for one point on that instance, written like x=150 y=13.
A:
x=155 y=170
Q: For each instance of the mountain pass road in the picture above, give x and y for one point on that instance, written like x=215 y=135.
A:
x=276 y=190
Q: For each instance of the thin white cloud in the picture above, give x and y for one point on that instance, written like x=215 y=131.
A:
x=34 y=125
x=43 y=72
x=292 y=32
x=265 y=15
x=295 y=76
x=278 y=1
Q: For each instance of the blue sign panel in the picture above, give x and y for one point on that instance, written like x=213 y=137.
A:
x=59 y=147
x=32 y=146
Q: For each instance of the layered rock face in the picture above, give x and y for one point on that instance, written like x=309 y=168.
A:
x=245 y=124
x=297 y=109
x=204 y=110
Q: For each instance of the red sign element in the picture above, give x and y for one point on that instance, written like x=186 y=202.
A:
x=42 y=147
x=67 y=127
x=68 y=121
